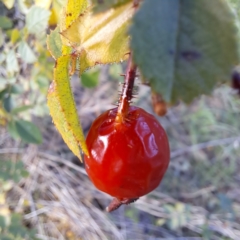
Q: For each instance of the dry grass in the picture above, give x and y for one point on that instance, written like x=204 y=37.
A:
x=59 y=199
x=62 y=203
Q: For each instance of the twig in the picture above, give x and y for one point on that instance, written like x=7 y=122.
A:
x=200 y=146
x=198 y=193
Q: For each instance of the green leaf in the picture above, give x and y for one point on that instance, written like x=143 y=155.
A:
x=21 y=109
x=5 y=22
x=5 y=176
x=1 y=38
x=19 y=165
x=90 y=79
x=5 y=164
x=37 y=19
x=16 y=178
x=28 y=132
x=183 y=48
x=3 y=93
x=7 y=237
x=8 y=103
x=17 y=88
x=16 y=227
x=11 y=89
x=26 y=53
x=10 y=170
x=16 y=219
x=12 y=130
x=2 y=222
x=11 y=62
x=54 y=43
x=115 y=70
x=24 y=173
x=42 y=81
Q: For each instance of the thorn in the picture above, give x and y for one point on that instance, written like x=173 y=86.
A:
x=123 y=75
x=128 y=53
x=134 y=96
x=115 y=104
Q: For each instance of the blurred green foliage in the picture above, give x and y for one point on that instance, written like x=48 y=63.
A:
x=26 y=67
x=13 y=229
x=11 y=224
x=91 y=78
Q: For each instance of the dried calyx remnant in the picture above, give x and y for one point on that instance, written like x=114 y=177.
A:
x=116 y=203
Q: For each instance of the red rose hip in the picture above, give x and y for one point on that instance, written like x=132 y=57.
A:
x=129 y=158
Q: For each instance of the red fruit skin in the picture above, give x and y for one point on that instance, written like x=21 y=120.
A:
x=127 y=160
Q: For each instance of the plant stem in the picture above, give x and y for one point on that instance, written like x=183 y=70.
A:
x=126 y=94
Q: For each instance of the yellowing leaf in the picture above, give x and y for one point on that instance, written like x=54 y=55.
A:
x=72 y=11
x=56 y=12
x=63 y=110
x=180 y=207
x=74 y=8
x=43 y=3
x=8 y=3
x=59 y=121
x=54 y=17
x=4 y=210
x=53 y=20
x=15 y=35
x=3 y=117
x=101 y=38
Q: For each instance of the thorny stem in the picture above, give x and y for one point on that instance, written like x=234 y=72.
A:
x=126 y=95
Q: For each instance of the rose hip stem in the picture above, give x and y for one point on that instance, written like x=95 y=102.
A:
x=126 y=94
